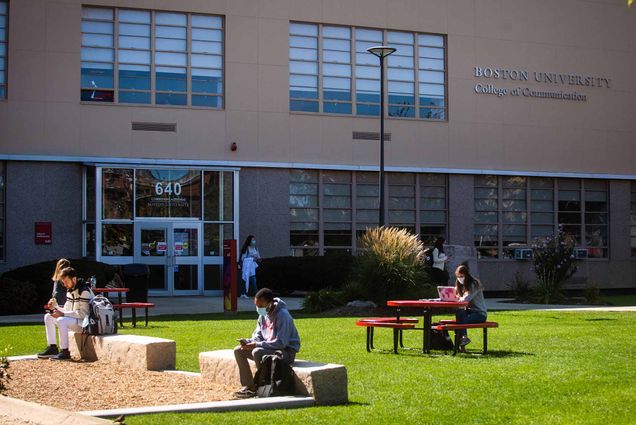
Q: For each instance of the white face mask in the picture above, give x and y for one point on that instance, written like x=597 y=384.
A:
x=253 y=242
x=461 y=279
x=262 y=311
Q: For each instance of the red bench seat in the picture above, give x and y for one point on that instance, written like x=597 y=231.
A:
x=387 y=322
x=451 y=325
x=133 y=306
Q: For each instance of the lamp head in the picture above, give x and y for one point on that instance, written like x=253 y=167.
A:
x=381 y=51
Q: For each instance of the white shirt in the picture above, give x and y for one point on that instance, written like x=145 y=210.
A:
x=439 y=258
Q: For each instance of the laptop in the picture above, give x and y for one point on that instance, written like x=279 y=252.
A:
x=447 y=293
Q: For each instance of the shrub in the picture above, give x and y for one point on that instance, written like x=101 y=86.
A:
x=554 y=263
x=17 y=297
x=520 y=287
x=391 y=265
x=39 y=274
x=4 y=369
x=322 y=300
x=312 y=273
x=592 y=293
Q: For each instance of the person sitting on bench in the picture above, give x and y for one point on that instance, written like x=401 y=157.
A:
x=470 y=290
x=275 y=333
x=67 y=318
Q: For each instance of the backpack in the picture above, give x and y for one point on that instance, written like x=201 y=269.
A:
x=274 y=377
x=441 y=340
x=428 y=257
x=101 y=317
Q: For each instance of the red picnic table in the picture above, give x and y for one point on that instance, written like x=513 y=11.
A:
x=119 y=291
x=428 y=306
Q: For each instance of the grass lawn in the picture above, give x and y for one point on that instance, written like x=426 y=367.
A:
x=542 y=368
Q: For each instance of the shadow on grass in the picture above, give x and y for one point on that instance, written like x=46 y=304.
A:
x=415 y=352
x=601 y=319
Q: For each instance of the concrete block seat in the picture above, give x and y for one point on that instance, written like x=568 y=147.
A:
x=134 y=351
x=325 y=382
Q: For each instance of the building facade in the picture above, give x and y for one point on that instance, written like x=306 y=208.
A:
x=150 y=131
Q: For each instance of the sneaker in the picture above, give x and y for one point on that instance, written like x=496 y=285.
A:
x=464 y=341
x=244 y=393
x=244 y=296
x=63 y=355
x=50 y=351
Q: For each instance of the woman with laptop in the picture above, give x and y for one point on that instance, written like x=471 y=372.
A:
x=470 y=290
x=439 y=274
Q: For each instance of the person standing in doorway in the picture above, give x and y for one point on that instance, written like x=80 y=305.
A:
x=439 y=273
x=250 y=257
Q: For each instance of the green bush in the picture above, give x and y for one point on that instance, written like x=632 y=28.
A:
x=554 y=263
x=17 y=297
x=39 y=274
x=592 y=293
x=520 y=287
x=311 y=273
x=322 y=300
x=391 y=265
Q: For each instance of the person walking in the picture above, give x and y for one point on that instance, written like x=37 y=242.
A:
x=439 y=274
x=250 y=257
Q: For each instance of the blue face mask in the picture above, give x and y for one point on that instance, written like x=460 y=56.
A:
x=253 y=242
x=262 y=311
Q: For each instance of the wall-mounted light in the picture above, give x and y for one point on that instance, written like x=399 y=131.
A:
x=234 y=146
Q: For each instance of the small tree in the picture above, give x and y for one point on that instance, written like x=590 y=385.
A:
x=391 y=264
x=554 y=263
x=4 y=369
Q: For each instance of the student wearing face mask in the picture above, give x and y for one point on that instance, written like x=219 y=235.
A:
x=250 y=257
x=275 y=333
x=469 y=289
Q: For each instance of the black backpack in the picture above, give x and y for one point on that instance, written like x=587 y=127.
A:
x=428 y=257
x=440 y=340
x=274 y=377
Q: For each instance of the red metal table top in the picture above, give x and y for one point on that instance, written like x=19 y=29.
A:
x=426 y=303
x=111 y=289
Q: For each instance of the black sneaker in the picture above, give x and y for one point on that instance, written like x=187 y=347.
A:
x=244 y=393
x=63 y=355
x=50 y=351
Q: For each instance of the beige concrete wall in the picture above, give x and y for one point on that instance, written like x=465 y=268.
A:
x=43 y=115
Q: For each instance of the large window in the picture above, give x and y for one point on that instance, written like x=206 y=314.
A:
x=505 y=220
x=632 y=218
x=150 y=57
x=327 y=206
x=4 y=37
x=330 y=71
x=3 y=211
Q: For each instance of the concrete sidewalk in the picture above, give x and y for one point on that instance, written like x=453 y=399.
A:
x=202 y=305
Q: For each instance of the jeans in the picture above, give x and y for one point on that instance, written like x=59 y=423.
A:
x=245 y=372
x=463 y=317
x=64 y=324
x=251 y=283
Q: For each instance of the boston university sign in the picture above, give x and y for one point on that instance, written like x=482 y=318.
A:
x=568 y=84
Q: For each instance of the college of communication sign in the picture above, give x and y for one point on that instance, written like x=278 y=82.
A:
x=567 y=84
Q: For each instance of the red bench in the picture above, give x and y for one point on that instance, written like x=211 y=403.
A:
x=387 y=322
x=134 y=306
x=451 y=325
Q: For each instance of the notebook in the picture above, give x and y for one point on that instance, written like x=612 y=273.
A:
x=447 y=293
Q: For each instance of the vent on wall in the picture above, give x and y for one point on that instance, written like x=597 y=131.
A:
x=369 y=135
x=154 y=126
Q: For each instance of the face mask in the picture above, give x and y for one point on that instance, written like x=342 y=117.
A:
x=262 y=311
x=253 y=242
x=461 y=280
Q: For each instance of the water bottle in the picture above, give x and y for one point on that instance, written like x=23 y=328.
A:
x=93 y=282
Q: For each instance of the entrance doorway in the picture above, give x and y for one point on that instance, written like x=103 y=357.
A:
x=172 y=251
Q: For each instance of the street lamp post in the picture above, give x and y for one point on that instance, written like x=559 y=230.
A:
x=381 y=52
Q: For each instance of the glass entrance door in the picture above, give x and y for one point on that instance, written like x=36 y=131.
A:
x=171 y=251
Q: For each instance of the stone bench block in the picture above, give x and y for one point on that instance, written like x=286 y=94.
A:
x=134 y=351
x=325 y=382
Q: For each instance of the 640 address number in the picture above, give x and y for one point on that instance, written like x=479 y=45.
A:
x=169 y=188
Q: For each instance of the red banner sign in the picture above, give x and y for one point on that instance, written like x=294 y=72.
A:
x=43 y=233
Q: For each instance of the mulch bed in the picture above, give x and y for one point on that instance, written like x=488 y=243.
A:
x=77 y=386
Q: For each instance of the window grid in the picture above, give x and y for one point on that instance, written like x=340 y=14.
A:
x=152 y=57
x=632 y=220
x=505 y=220
x=433 y=207
x=327 y=206
x=321 y=81
x=4 y=49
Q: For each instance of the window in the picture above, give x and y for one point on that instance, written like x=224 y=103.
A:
x=149 y=57
x=433 y=207
x=632 y=218
x=3 y=211
x=89 y=212
x=324 y=74
x=326 y=207
x=4 y=38
x=505 y=220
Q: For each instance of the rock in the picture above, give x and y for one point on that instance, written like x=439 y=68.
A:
x=134 y=351
x=325 y=382
x=363 y=304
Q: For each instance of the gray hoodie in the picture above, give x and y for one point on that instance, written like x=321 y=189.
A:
x=276 y=330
